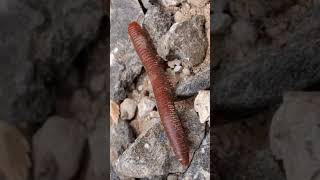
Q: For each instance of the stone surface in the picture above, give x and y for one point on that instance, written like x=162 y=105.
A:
x=128 y=109
x=114 y=112
x=168 y=3
x=181 y=39
x=202 y=106
x=192 y=85
x=57 y=149
x=121 y=136
x=141 y=125
x=198 y=3
x=200 y=165
x=145 y=106
x=97 y=166
x=221 y=22
x=242 y=149
x=294 y=135
x=246 y=87
x=48 y=35
x=125 y=65
x=15 y=163
x=151 y=155
x=157 y=22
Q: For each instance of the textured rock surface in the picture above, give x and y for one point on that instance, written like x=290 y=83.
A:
x=181 y=39
x=196 y=83
x=14 y=148
x=121 y=136
x=202 y=106
x=125 y=65
x=257 y=84
x=200 y=166
x=128 y=109
x=151 y=155
x=53 y=160
x=145 y=106
x=294 y=135
x=48 y=35
x=114 y=112
x=157 y=22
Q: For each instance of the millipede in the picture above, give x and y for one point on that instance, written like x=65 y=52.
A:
x=162 y=92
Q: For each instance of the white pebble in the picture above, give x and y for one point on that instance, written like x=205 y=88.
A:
x=177 y=69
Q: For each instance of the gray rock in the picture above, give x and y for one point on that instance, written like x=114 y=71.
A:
x=262 y=81
x=172 y=177
x=294 y=135
x=97 y=167
x=121 y=136
x=145 y=106
x=202 y=106
x=199 y=168
x=181 y=40
x=48 y=35
x=57 y=149
x=190 y=87
x=157 y=22
x=125 y=65
x=128 y=109
x=221 y=22
x=168 y=3
x=15 y=162
x=151 y=154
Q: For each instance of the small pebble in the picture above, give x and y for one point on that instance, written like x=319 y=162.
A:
x=145 y=106
x=127 y=109
x=147 y=146
x=186 y=71
x=177 y=69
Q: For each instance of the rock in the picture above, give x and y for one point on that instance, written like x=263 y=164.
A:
x=57 y=149
x=151 y=155
x=141 y=125
x=121 y=136
x=14 y=149
x=198 y=3
x=145 y=106
x=172 y=177
x=244 y=32
x=221 y=23
x=294 y=135
x=113 y=175
x=83 y=107
x=125 y=65
x=260 y=83
x=147 y=4
x=114 y=112
x=168 y=3
x=186 y=71
x=40 y=42
x=97 y=166
x=181 y=39
x=97 y=82
x=157 y=23
x=174 y=63
x=200 y=165
x=242 y=147
x=202 y=106
x=191 y=86
x=177 y=69
x=128 y=109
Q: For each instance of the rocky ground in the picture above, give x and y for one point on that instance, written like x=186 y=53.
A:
x=262 y=50
x=180 y=32
x=53 y=90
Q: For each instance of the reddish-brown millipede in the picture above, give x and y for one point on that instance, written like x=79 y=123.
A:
x=162 y=92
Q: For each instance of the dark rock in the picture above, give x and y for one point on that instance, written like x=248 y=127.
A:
x=182 y=38
x=190 y=87
x=151 y=155
x=121 y=136
x=49 y=35
x=57 y=149
x=157 y=23
x=124 y=63
x=294 y=135
x=261 y=82
x=200 y=166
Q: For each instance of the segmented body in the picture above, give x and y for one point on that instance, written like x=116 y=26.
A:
x=162 y=92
